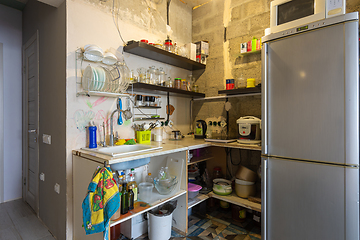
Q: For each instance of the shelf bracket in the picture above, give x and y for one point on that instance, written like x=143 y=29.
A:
x=168 y=107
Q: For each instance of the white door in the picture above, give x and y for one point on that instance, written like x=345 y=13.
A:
x=31 y=122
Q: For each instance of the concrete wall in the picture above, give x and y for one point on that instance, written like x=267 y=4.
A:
x=11 y=156
x=243 y=20
x=91 y=22
x=50 y=22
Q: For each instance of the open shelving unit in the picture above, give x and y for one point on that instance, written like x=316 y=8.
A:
x=232 y=198
x=241 y=91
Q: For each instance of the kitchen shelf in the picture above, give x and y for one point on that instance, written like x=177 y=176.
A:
x=141 y=207
x=150 y=88
x=141 y=119
x=241 y=91
x=194 y=160
x=234 y=199
x=157 y=54
x=102 y=94
x=196 y=200
x=149 y=107
x=237 y=145
x=247 y=53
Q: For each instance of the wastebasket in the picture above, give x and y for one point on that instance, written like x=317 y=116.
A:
x=160 y=221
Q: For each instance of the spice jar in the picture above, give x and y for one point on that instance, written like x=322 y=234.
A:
x=178 y=83
x=168 y=45
x=195 y=88
x=217 y=173
x=183 y=84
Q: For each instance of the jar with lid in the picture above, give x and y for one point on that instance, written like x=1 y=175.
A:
x=139 y=101
x=169 y=83
x=190 y=80
x=217 y=173
x=141 y=75
x=183 y=84
x=161 y=77
x=178 y=83
x=168 y=45
x=152 y=75
x=146 y=100
x=195 y=88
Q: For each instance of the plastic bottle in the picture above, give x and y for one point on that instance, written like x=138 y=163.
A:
x=149 y=178
x=92 y=137
x=131 y=198
x=124 y=199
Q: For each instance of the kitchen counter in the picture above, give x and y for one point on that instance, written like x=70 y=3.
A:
x=168 y=146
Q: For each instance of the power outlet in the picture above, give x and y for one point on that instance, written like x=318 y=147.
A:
x=42 y=177
x=46 y=138
x=57 y=188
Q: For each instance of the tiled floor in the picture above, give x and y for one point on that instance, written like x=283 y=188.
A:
x=217 y=225
x=19 y=222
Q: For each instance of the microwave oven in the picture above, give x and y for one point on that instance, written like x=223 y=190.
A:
x=286 y=14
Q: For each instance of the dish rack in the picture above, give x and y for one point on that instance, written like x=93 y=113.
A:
x=94 y=78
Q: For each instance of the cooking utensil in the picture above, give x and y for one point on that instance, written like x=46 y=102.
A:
x=249 y=130
x=120 y=121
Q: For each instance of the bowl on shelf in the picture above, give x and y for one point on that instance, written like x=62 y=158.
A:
x=222 y=186
x=165 y=186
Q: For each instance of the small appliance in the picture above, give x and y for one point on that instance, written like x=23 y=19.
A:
x=286 y=14
x=249 y=130
x=200 y=129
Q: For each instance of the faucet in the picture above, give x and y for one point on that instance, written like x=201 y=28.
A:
x=112 y=125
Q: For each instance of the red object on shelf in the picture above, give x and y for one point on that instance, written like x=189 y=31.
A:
x=144 y=41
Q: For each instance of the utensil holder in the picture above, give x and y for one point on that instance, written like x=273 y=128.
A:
x=143 y=136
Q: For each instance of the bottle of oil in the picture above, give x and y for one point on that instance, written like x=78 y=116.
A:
x=124 y=199
x=131 y=198
x=133 y=183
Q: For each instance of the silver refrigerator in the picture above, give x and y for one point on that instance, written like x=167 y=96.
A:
x=310 y=131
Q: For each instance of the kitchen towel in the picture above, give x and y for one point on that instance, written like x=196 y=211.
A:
x=101 y=202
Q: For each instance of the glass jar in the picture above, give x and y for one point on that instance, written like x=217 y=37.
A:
x=161 y=77
x=183 y=84
x=195 y=88
x=178 y=83
x=169 y=83
x=142 y=74
x=168 y=45
x=139 y=101
x=152 y=75
x=217 y=173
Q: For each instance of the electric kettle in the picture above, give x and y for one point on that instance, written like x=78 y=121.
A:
x=200 y=129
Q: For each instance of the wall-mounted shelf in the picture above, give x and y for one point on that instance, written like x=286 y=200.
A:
x=144 y=118
x=150 y=88
x=157 y=54
x=241 y=91
x=247 y=53
x=148 y=107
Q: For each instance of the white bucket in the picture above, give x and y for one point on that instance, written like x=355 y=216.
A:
x=159 y=228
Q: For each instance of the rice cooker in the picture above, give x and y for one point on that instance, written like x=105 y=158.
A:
x=249 y=130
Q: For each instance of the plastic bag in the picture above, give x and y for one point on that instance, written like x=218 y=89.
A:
x=165 y=209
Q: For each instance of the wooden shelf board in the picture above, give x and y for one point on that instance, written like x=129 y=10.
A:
x=141 y=207
x=194 y=160
x=237 y=145
x=150 y=88
x=241 y=91
x=160 y=55
x=198 y=199
x=234 y=199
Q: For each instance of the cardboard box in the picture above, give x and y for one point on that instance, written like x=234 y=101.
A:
x=202 y=48
x=191 y=50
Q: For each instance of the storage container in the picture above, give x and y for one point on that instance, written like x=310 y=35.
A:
x=143 y=136
x=244 y=189
x=193 y=190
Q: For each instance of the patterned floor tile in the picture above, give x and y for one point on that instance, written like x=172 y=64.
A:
x=196 y=232
x=254 y=238
x=206 y=225
x=192 y=228
x=201 y=222
x=237 y=230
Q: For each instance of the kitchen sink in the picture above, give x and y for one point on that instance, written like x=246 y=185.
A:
x=116 y=151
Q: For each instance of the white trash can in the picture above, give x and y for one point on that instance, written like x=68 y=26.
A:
x=159 y=227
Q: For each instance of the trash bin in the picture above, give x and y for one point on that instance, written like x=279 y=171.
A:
x=160 y=221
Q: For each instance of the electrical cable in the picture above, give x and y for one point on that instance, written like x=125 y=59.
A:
x=232 y=159
x=117 y=21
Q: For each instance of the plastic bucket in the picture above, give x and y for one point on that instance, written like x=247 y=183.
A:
x=159 y=227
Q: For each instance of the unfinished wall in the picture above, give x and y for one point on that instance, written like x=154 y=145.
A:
x=243 y=20
x=50 y=22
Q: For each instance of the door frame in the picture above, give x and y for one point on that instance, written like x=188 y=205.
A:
x=1 y=123
x=25 y=134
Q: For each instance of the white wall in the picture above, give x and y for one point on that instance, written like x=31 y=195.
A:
x=89 y=22
x=11 y=37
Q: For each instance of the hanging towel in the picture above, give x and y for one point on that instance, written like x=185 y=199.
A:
x=101 y=202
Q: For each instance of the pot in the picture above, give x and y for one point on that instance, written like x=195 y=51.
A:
x=244 y=189
x=243 y=173
x=222 y=186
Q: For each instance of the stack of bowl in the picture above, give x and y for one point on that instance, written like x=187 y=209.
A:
x=245 y=182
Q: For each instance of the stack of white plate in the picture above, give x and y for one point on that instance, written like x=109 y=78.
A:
x=94 y=79
x=93 y=53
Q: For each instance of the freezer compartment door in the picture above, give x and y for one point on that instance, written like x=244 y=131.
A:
x=303 y=200
x=311 y=95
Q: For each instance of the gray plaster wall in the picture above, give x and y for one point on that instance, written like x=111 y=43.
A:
x=51 y=24
x=247 y=19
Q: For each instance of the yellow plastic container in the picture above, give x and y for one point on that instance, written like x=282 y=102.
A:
x=250 y=82
x=143 y=136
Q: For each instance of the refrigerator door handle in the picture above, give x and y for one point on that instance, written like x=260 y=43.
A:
x=264 y=101
x=264 y=199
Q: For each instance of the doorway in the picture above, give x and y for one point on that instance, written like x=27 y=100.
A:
x=31 y=122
